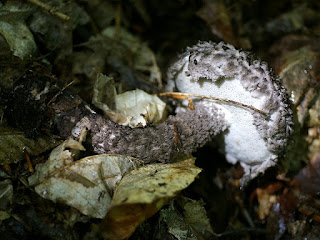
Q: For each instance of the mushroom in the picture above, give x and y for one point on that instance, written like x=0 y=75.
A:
x=219 y=70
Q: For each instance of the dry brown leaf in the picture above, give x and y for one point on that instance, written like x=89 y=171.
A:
x=142 y=192
x=266 y=200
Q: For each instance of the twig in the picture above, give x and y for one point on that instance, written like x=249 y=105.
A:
x=55 y=96
x=118 y=22
x=187 y=95
x=51 y=10
x=27 y=157
x=241 y=230
x=23 y=223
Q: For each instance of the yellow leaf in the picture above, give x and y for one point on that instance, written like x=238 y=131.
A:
x=142 y=192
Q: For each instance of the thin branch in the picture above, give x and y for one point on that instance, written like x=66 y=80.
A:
x=118 y=22
x=187 y=95
x=238 y=231
x=50 y=9
x=55 y=96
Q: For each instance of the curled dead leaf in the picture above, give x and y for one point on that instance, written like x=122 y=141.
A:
x=134 y=108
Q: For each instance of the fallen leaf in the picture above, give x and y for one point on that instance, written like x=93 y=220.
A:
x=133 y=108
x=14 y=29
x=86 y=184
x=6 y=193
x=142 y=192
x=13 y=142
x=291 y=21
x=217 y=15
x=196 y=215
x=4 y=215
x=266 y=200
x=144 y=59
x=104 y=93
x=193 y=223
x=140 y=108
x=308 y=179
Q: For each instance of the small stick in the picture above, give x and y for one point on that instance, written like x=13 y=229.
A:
x=118 y=22
x=180 y=95
x=55 y=96
x=310 y=214
x=50 y=9
x=27 y=157
x=23 y=223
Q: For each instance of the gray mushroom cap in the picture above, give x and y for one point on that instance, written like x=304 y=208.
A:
x=220 y=70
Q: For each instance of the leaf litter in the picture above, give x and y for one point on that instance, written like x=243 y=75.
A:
x=57 y=44
x=86 y=184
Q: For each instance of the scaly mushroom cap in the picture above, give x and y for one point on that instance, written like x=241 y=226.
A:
x=220 y=70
